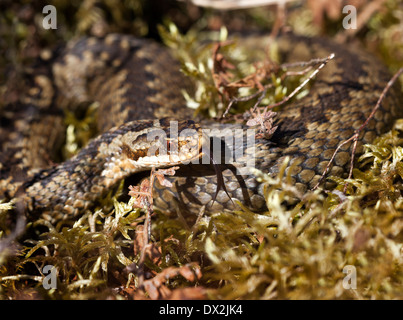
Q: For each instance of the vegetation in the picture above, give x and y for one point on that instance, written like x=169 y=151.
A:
x=303 y=251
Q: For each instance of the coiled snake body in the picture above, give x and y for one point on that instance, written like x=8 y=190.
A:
x=134 y=79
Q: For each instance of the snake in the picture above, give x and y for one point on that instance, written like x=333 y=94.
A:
x=138 y=86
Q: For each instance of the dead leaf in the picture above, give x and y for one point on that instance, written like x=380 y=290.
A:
x=197 y=293
x=265 y=120
x=156 y=288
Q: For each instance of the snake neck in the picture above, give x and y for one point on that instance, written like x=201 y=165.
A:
x=69 y=188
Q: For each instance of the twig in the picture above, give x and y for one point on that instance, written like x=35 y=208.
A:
x=148 y=199
x=354 y=137
x=265 y=118
x=296 y=73
x=331 y=160
x=279 y=22
x=310 y=63
x=296 y=90
x=144 y=198
x=261 y=93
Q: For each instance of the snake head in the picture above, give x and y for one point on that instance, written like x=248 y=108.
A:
x=163 y=143
x=145 y=144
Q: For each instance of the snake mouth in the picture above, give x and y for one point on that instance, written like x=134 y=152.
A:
x=166 y=145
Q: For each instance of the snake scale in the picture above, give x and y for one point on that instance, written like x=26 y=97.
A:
x=138 y=86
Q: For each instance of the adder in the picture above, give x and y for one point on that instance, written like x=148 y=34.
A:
x=138 y=85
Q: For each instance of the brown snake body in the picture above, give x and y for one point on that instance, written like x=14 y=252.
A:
x=134 y=79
